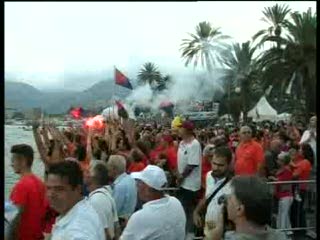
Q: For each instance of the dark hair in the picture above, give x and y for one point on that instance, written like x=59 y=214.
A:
x=144 y=146
x=102 y=144
x=81 y=153
x=77 y=139
x=224 y=152
x=295 y=146
x=96 y=153
x=68 y=169
x=235 y=130
x=220 y=141
x=259 y=134
x=101 y=174
x=68 y=135
x=283 y=136
x=125 y=142
x=24 y=150
x=51 y=147
x=136 y=156
x=287 y=159
x=307 y=152
x=256 y=197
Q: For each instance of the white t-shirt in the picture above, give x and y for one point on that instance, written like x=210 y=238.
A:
x=105 y=206
x=312 y=142
x=214 y=208
x=80 y=223
x=162 y=219
x=190 y=154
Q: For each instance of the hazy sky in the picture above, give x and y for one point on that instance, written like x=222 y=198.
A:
x=51 y=44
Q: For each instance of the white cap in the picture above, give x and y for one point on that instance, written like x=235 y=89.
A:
x=153 y=176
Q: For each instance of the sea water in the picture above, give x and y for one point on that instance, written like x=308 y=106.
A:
x=16 y=135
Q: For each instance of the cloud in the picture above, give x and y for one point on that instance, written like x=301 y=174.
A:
x=47 y=42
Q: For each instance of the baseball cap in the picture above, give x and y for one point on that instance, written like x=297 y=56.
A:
x=153 y=176
x=188 y=125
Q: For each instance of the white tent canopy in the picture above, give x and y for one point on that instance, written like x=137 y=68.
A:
x=263 y=111
x=284 y=116
x=225 y=116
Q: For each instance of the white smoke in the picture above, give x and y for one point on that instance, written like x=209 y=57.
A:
x=140 y=96
x=184 y=88
x=112 y=111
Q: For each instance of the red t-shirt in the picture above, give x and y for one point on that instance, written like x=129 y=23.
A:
x=51 y=216
x=172 y=157
x=249 y=156
x=233 y=143
x=206 y=167
x=303 y=170
x=136 y=167
x=284 y=190
x=30 y=193
x=145 y=160
x=154 y=153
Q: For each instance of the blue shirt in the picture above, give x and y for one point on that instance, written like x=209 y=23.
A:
x=125 y=195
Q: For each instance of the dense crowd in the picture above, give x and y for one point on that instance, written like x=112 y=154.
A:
x=113 y=180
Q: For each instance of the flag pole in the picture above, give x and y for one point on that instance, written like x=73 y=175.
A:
x=114 y=85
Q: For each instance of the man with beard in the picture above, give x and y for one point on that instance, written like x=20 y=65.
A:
x=217 y=185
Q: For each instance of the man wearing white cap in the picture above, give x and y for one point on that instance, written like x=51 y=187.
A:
x=161 y=216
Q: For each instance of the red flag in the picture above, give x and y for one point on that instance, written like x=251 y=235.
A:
x=121 y=79
x=122 y=112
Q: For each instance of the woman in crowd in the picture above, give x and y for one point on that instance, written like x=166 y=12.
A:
x=283 y=192
x=302 y=169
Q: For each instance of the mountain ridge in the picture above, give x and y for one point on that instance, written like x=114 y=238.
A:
x=24 y=96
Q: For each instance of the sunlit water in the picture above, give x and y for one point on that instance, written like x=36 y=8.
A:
x=16 y=135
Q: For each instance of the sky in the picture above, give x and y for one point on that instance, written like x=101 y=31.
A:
x=72 y=45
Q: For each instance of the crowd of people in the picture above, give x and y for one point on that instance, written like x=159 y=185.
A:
x=113 y=181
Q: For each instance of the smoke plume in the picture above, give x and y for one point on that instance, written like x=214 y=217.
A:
x=182 y=90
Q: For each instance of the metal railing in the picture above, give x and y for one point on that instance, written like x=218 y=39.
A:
x=311 y=192
x=274 y=183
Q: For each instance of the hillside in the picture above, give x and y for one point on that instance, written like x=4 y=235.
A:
x=24 y=96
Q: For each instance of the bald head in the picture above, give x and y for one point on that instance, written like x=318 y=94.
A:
x=116 y=164
x=245 y=133
x=245 y=128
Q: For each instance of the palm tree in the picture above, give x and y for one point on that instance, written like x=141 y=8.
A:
x=164 y=83
x=150 y=74
x=240 y=75
x=293 y=68
x=205 y=46
x=276 y=17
